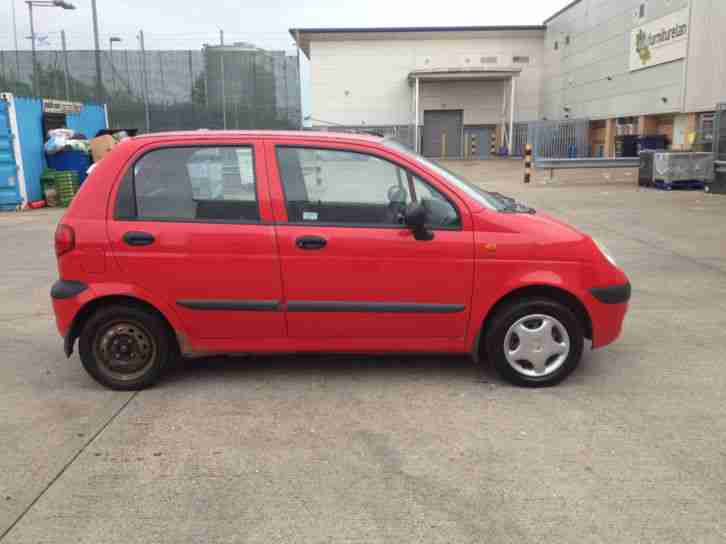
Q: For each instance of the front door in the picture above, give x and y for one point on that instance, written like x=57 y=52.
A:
x=442 y=133
x=350 y=268
x=194 y=234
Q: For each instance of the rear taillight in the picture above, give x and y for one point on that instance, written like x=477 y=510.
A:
x=65 y=239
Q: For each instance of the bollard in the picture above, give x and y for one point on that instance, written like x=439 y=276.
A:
x=493 y=147
x=528 y=163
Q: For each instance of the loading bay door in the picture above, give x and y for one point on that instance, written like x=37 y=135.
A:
x=442 y=133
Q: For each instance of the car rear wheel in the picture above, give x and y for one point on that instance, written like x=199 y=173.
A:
x=535 y=343
x=125 y=348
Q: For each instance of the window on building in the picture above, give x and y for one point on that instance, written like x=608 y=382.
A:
x=196 y=184
x=488 y=60
x=641 y=11
x=521 y=60
x=349 y=188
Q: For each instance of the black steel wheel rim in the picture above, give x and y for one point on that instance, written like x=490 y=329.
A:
x=125 y=350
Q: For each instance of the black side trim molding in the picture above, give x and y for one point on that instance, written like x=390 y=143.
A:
x=618 y=294
x=373 y=307
x=231 y=305
x=64 y=289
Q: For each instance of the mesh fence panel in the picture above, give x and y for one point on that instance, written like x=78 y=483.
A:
x=236 y=88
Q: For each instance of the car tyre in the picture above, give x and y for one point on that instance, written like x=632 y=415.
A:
x=125 y=348
x=535 y=343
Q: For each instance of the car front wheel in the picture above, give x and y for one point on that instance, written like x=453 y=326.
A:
x=535 y=343
x=124 y=348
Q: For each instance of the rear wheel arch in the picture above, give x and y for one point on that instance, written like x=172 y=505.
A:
x=85 y=313
x=556 y=294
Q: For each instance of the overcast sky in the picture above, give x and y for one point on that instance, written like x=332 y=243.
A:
x=187 y=24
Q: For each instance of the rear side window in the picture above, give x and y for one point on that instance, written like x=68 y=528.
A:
x=206 y=184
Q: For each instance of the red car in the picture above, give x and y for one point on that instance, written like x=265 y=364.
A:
x=205 y=243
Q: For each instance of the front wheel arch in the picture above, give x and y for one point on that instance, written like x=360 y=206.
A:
x=85 y=313
x=534 y=291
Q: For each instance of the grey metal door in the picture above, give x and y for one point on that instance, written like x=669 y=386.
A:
x=477 y=143
x=442 y=133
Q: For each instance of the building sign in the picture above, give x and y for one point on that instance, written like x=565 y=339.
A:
x=660 y=41
x=60 y=106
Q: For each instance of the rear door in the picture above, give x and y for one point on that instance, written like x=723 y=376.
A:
x=193 y=225
x=350 y=268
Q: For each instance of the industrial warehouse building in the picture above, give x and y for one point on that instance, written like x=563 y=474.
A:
x=596 y=70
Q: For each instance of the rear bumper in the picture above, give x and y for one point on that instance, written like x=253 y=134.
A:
x=67 y=297
x=607 y=308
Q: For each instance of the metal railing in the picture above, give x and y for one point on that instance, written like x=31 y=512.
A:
x=558 y=164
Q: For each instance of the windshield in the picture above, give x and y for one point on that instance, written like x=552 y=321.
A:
x=488 y=199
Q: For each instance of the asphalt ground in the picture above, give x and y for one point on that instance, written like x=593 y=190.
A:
x=632 y=448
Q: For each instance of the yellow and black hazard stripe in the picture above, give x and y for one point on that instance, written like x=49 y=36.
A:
x=528 y=163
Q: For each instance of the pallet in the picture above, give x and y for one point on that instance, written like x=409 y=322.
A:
x=692 y=185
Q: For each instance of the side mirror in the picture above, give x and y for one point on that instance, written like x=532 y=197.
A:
x=416 y=217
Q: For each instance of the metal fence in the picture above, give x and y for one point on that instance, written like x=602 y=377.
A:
x=560 y=139
x=236 y=87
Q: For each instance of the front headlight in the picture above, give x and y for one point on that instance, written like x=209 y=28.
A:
x=605 y=252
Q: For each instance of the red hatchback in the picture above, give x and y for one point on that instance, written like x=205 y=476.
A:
x=207 y=243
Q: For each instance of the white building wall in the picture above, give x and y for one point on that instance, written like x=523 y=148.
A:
x=591 y=76
x=706 y=75
x=355 y=82
x=480 y=100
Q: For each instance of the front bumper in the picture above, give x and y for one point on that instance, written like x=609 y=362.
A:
x=65 y=289
x=607 y=308
x=617 y=294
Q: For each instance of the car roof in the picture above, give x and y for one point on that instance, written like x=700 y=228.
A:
x=259 y=134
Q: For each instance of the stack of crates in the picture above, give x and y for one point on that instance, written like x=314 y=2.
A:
x=66 y=184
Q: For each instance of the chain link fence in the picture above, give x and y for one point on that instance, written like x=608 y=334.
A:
x=234 y=87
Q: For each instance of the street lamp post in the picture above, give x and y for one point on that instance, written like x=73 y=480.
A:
x=112 y=40
x=41 y=4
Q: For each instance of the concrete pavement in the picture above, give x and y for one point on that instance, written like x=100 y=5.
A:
x=396 y=449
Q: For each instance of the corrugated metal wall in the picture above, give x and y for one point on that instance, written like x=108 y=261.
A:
x=9 y=190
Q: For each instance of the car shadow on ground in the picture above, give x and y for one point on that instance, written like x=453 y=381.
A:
x=449 y=368
x=379 y=367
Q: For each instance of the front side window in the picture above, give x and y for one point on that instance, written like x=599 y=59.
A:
x=197 y=184
x=326 y=186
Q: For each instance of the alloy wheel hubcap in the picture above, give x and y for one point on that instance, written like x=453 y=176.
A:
x=537 y=345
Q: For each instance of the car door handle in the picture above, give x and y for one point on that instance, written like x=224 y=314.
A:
x=138 y=238
x=311 y=242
